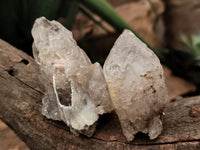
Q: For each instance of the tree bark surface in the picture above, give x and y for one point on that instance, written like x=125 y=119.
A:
x=20 y=108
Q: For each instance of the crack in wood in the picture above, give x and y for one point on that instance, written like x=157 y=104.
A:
x=148 y=144
x=38 y=132
x=29 y=86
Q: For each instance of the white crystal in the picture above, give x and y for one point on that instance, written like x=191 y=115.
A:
x=76 y=91
x=135 y=80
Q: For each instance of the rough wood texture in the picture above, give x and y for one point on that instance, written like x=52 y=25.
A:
x=20 y=108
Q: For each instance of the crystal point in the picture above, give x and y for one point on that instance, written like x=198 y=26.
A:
x=136 y=84
x=76 y=90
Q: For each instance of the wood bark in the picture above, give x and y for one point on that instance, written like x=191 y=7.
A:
x=20 y=108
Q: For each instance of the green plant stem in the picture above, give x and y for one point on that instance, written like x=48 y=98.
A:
x=107 y=12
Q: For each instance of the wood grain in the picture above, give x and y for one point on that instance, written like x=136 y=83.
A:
x=20 y=108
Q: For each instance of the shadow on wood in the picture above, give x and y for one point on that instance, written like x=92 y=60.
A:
x=20 y=108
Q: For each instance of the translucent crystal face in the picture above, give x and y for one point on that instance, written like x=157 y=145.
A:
x=77 y=91
x=135 y=79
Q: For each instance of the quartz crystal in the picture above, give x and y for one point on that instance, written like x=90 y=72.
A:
x=76 y=90
x=136 y=84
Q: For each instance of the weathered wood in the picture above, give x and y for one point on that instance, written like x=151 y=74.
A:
x=20 y=108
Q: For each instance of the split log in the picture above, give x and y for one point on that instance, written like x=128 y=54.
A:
x=20 y=108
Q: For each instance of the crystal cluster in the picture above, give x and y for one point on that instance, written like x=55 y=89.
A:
x=77 y=91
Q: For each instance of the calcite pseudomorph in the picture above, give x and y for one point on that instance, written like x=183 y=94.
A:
x=135 y=79
x=76 y=91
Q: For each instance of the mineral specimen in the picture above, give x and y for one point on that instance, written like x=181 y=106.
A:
x=136 y=84
x=76 y=90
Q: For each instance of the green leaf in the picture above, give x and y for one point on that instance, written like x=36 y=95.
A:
x=107 y=12
x=192 y=47
x=196 y=44
x=188 y=47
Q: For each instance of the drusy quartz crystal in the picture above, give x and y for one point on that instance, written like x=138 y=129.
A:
x=76 y=90
x=136 y=84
